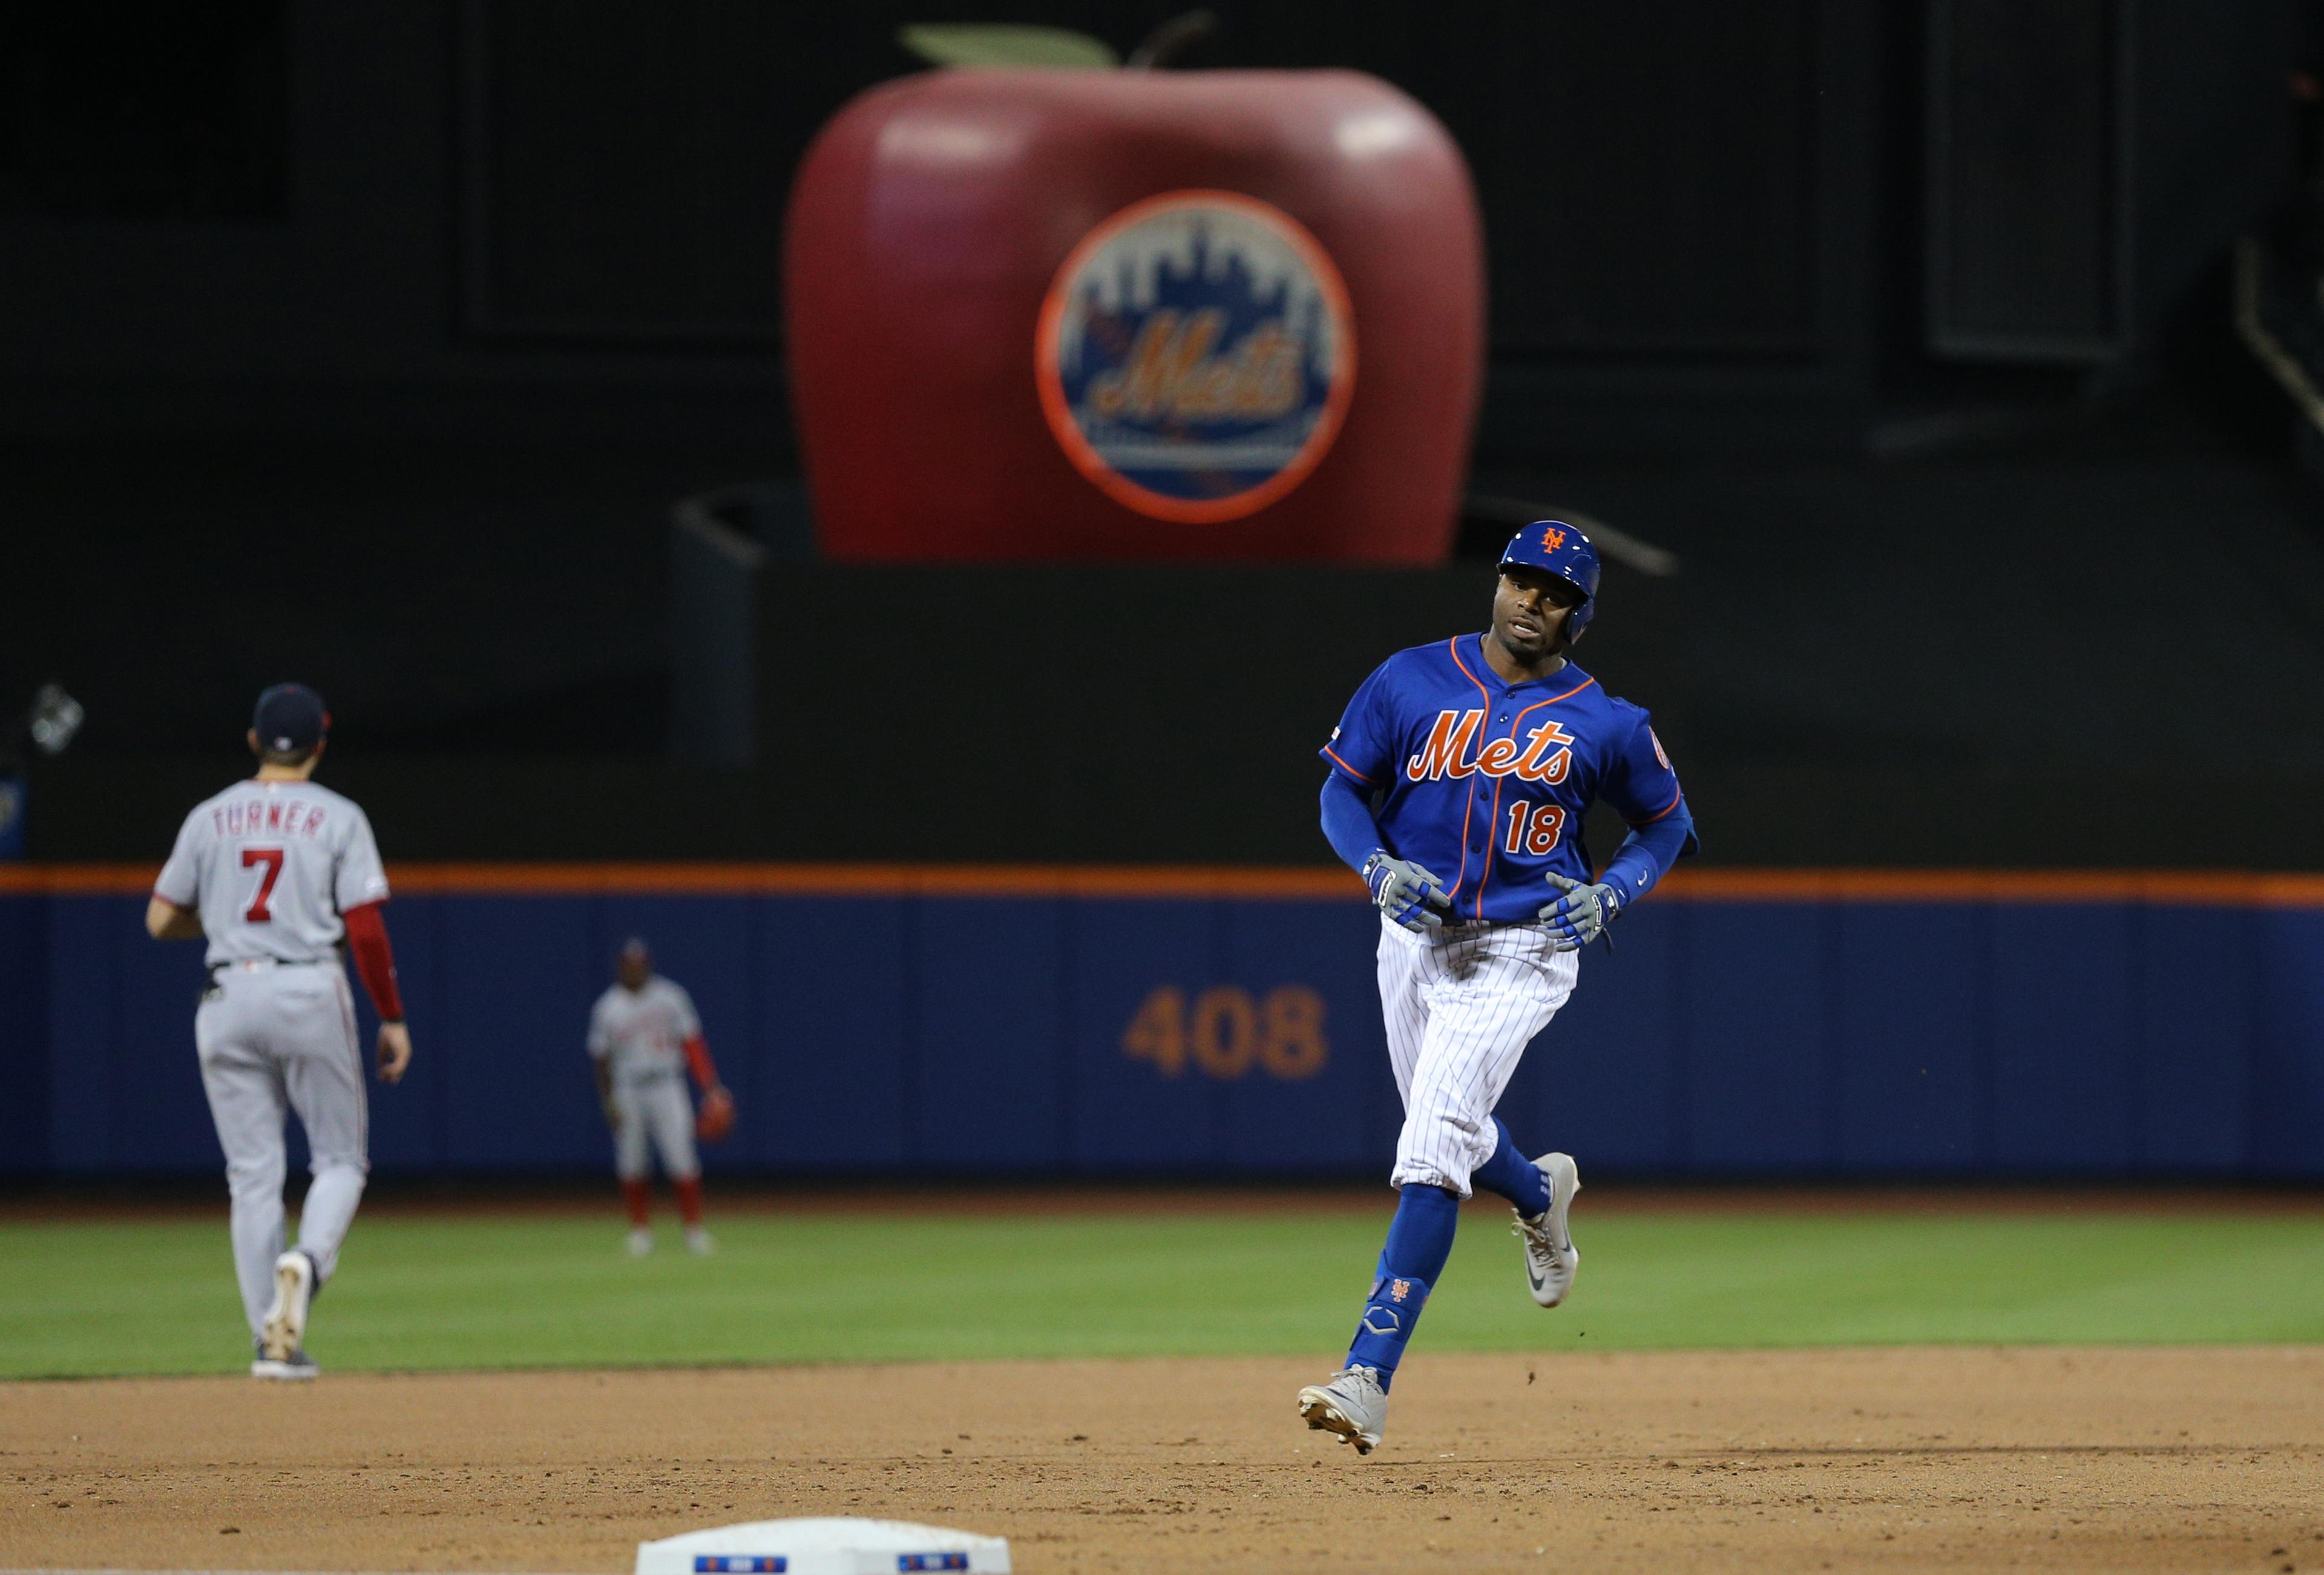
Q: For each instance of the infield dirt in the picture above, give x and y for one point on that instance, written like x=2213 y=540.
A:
x=1869 y=1459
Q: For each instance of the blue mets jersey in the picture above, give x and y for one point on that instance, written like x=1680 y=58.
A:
x=1483 y=782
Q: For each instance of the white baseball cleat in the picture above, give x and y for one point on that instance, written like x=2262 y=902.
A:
x=640 y=1242
x=295 y=1367
x=285 y=1329
x=1550 y=1256
x=698 y=1242
x=1351 y=1405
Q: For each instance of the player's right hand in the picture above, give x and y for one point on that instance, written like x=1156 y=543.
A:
x=1408 y=894
x=394 y=1050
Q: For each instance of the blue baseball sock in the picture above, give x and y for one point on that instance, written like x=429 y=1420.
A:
x=1419 y=1240
x=1510 y=1174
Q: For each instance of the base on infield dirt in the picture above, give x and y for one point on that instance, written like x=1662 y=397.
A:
x=822 y=1545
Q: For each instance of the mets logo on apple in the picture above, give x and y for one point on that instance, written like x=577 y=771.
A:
x=1196 y=355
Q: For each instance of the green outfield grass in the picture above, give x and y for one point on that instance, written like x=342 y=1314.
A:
x=477 y=1290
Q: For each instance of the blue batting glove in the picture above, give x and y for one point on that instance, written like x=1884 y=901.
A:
x=1408 y=894
x=1581 y=914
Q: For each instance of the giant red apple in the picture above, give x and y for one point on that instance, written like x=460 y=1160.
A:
x=1084 y=314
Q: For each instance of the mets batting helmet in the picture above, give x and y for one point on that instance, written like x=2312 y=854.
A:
x=1553 y=546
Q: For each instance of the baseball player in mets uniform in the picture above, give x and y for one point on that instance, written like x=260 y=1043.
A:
x=280 y=874
x=642 y=1032
x=1458 y=780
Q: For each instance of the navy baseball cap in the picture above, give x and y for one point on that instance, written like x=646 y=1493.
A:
x=289 y=717
x=1559 y=548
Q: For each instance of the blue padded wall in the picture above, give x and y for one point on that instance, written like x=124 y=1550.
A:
x=1093 y=1035
x=24 y=1038
x=1909 y=1032
x=988 y=1080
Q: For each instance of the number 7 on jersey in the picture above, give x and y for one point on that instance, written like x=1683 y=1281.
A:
x=258 y=912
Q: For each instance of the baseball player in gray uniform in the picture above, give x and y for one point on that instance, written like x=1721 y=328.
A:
x=642 y=1032
x=279 y=874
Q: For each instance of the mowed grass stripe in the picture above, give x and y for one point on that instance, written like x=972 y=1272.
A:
x=468 y=1291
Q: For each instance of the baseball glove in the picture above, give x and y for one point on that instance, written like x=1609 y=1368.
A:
x=716 y=1119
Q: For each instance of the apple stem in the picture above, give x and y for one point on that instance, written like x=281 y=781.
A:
x=1166 y=42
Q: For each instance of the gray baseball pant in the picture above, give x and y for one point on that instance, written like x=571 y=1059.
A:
x=273 y=1039
x=654 y=1107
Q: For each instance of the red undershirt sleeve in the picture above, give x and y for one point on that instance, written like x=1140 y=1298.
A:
x=374 y=960
x=698 y=1059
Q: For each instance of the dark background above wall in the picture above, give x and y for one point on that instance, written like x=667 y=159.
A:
x=537 y=216
x=1145 y=715
x=373 y=345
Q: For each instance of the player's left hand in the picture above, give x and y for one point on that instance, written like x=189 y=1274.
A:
x=716 y=1120
x=394 y=1050
x=1581 y=914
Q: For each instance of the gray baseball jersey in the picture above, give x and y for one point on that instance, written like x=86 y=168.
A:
x=643 y=1035
x=271 y=866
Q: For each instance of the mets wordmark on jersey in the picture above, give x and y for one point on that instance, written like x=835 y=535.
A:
x=1483 y=782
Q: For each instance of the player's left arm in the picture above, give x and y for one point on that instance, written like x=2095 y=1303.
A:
x=716 y=1119
x=375 y=965
x=359 y=885
x=1645 y=790
x=698 y=1064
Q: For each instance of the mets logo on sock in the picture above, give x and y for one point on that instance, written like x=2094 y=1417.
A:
x=1195 y=356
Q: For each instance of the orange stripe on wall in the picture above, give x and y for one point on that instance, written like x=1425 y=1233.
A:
x=2213 y=888
x=775 y=880
x=887 y=879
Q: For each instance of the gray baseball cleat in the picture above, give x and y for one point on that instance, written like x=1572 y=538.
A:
x=285 y=1329
x=1352 y=1404
x=294 y=1367
x=1550 y=1256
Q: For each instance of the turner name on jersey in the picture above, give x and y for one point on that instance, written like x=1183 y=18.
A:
x=273 y=867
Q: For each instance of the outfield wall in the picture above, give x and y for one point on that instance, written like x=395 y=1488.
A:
x=1086 y=1022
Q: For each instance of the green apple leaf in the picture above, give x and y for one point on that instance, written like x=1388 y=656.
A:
x=968 y=43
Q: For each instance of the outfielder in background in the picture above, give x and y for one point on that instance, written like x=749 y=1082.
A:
x=278 y=874
x=638 y=1030
x=1475 y=758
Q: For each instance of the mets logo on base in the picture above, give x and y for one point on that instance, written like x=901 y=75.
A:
x=1195 y=356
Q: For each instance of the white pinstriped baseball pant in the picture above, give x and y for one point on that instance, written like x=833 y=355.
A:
x=1461 y=1004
